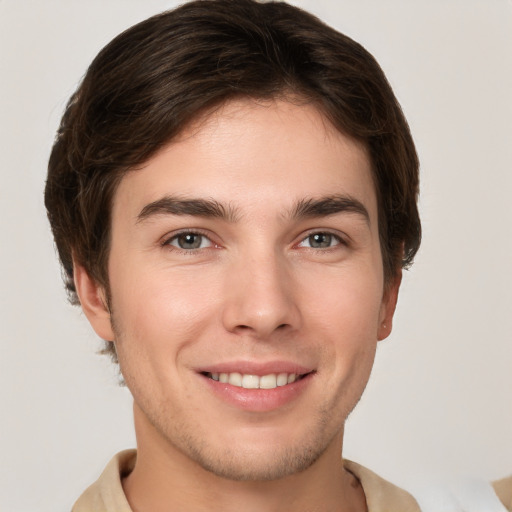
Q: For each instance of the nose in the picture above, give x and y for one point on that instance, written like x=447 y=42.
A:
x=260 y=298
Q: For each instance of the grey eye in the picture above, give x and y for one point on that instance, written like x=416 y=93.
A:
x=320 y=240
x=189 y=241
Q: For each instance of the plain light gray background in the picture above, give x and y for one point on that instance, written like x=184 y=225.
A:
x=439 y=401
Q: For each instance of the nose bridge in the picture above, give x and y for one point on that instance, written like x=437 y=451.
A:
x=260 y=296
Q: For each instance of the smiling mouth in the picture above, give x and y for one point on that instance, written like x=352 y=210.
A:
x=248 y=381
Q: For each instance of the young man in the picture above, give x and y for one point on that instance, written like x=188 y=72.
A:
x=233 y=196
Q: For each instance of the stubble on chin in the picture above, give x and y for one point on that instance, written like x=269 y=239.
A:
x=248 y=463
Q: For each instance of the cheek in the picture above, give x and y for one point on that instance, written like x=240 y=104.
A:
x=343 y=315
x=345 y=300
x=158 y=308
x=157 y=320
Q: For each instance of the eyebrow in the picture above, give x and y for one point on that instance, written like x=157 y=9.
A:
x=304 y=208
x=330 y=205
x=171 y=205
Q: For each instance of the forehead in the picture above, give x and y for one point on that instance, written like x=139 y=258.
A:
x=250 y=153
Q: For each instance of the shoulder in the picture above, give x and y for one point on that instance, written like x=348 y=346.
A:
x=381 y=495
x=466 y=494
x=106 y=494
x=503 y=489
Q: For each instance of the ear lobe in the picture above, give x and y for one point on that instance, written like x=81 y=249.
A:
x=388 y=306
x=94 y=302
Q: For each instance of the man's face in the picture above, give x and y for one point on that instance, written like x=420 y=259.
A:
x=248 y=251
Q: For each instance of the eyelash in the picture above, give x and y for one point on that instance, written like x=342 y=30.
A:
x=340 y=241
x=337 y=238
x=168 y=241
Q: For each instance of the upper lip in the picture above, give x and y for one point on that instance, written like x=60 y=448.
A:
x=256 y=368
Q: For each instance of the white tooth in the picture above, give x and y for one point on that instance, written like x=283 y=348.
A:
x=268 y=381
x=224 y=377
x=282 y=379
x=292 y=378
x=215 y=376
x=235 y=379
x=250 y=382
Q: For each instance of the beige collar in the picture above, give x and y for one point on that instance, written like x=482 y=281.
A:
x=106 y=494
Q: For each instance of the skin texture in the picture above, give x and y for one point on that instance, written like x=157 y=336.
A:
x=257 y=290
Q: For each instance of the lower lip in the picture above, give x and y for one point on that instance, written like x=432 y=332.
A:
x=258 y=400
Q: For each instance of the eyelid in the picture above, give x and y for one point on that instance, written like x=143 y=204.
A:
x=169 y=237
x=340 y=237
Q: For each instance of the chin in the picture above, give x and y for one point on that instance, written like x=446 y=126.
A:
x=259 y=465
x=258 y=454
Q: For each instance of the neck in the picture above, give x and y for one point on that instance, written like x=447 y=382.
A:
x=164 y=479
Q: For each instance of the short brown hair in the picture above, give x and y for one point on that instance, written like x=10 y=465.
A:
x=152 y=80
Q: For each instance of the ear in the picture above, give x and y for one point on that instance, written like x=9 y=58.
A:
x=387 y=308
x=93 y=300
